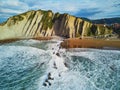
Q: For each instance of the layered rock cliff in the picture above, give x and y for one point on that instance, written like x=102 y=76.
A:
x=41 y=23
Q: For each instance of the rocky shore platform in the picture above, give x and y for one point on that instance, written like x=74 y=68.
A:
x=90 y=43
x=76 y=42
x=16 y=39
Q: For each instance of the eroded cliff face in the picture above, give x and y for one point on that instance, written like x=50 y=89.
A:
x=45 y=23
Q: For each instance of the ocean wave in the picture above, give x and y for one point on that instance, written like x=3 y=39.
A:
x=27 y=67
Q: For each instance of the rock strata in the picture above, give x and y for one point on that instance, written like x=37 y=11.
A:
x=34 y=24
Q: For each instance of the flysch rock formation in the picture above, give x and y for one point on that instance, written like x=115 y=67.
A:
x=41 y=23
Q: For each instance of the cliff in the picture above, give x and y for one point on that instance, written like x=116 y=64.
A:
x=41 y=23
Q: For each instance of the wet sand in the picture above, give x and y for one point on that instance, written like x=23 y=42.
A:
x=90 y=43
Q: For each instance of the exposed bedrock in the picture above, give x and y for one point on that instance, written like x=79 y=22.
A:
x=41 y=23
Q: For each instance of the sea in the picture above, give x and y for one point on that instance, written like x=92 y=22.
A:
x=44 y=65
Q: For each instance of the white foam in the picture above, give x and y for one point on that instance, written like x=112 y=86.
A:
x=66 y=78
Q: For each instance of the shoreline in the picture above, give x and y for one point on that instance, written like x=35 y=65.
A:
x=17 y=39
x=75 y=42
x=91 y=43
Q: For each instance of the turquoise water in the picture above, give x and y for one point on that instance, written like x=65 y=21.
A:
x=25 y=65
